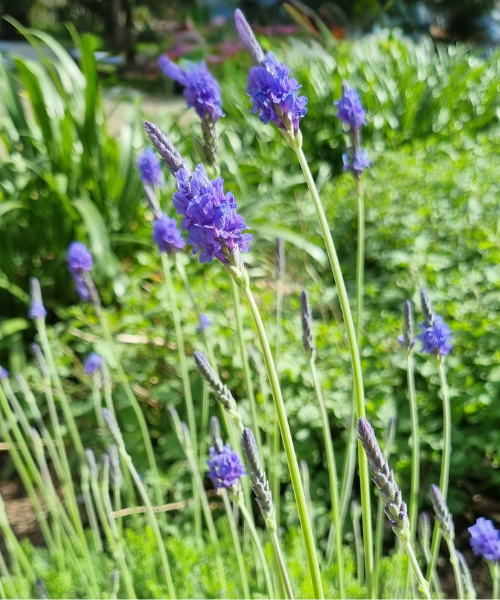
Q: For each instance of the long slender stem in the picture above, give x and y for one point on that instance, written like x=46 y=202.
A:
x=237 y=546
x=246 y=365
x=415 y=455
x=348 y=469
x=258 y=547
x=275 y=471
x=360 y=261
x=96 y=395
x=456 y=569
x=332 y=472
x=285 y=580
x=186 y=383
x=495 y=575
x=289 y=448
x=355 y=361
x=445 y=463
x=423 y=585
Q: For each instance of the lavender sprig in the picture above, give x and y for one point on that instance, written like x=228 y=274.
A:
x=427 y=311
x=248 y=38
x=443 y=516
x=220 y=390
x=383 y=477
x=150 y=168
x=37 y=309
x=217 y=442
x=168 y=152
x=260 y=483
x=407 y=339
x=306 y=317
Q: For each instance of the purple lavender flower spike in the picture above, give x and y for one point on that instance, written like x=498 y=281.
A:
x=225 y=468
x=80 y=261
x=37 y=309
x=247 y=37
x=4 y=374
x=210 y=217
x=436 y=338
x=202 y=90
x=79 y=258
x=166 y=235
x=358 y=164
x=485 y=540
x=274 y=95
x=150 y=168
x=350 y=109
x=204 y=323
x=168 y=152
x=92 y=363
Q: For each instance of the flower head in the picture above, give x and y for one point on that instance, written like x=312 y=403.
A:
x=79 y=258
x=225 y=468
x=210 y=216
x=92 y=363
x=485 y=540
x=350 y=109
x=166 y=235
x=358 y=164
x=4 y=374
x=274 y=95
x=202 y=90
x=436 y=338
x=150 y=168
x=169 y=153
x=204 y=323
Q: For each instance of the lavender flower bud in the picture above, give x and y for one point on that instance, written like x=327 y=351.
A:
x=306 y=315
x=247 y=37
x=407 y=339
x=280 y=259
x=37 y=309
x=168 y=152
x=217 y=442
x=356 y=163
x=427 y=311
x=260 y=484
x=470 y=592
x=395 y=508
x=443 y=516
x=115 y=472
x=221 y=391
x=166 y=235
x=350 y=109
x=94 y=473
x=203 y=324
x=150 y=168
x=112 y=426
x=436 y=338
x=41 y=363
x=41 y=590
x=4 y=374
x=424 y=530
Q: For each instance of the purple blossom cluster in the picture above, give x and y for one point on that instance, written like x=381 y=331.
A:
x=274 y=95
x=358 y=163
x=485 y=540
x=149 y=167
x=202 y=90
x=80 y=261
x=436 y=338
x=4 y=374
x=350 y=109
x=92 y=363
x=37 y=311
x=166 y=235
x=204 y=323
x=210 y=216
x=225 y=468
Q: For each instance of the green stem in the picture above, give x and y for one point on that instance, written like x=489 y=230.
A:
x=355 y=361
x=348 y=469
x=276 y=483
x=289 y=447
x=89 y=507
x=186 y=383
x=246 y=365
x=258 y=547
x=456 y=569
x=360 y=261
x=237 y=545
x=332 y=472
x=285 y=580
x=14 y=545
x=358 y=541
x=422 y=583
x=96 y=394
x=445 y=464
x=495 y=575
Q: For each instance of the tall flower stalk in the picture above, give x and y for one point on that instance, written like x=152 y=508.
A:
x=394 y=507
x=274 y=96
x=310 y=349
x=280 y=278
x=435 y=336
